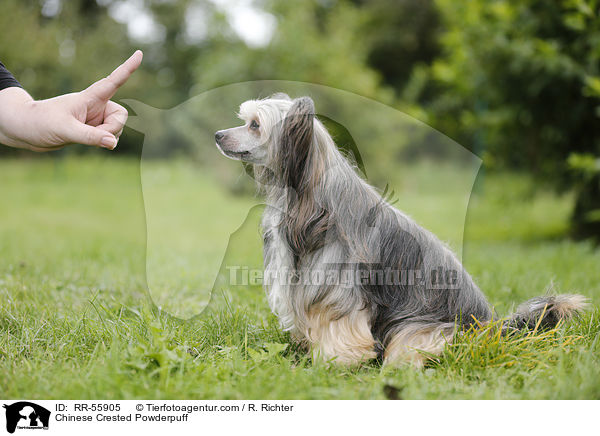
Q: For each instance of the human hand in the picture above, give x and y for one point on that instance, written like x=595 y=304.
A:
x=87 y=117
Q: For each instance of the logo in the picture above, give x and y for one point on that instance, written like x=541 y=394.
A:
x=26 y=415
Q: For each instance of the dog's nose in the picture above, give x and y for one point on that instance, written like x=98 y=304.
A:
x=219 y=135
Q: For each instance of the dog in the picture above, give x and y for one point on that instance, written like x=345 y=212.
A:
x=408 y=293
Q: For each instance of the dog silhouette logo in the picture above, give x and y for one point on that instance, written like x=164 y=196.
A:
x=26 y=415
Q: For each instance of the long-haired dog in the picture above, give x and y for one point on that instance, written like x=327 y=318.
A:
x=345 y=272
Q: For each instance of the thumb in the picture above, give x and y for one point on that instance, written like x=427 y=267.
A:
x=88 y=135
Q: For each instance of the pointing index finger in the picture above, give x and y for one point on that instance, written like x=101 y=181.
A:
x=107 y=87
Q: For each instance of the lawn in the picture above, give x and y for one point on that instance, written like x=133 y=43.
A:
x=76 y=320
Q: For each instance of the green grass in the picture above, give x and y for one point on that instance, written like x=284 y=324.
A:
x=75 y=319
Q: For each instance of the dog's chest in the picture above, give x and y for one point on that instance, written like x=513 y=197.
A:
x=278 y=265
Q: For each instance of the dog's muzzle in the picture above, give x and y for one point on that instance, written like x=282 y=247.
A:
x=222 y=144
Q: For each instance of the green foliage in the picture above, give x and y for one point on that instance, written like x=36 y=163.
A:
x=271 y=350
x=159 y=355
x=312 y=43
x=401 y=35
x=518 y=83
x=53 y=55
x=517 y=76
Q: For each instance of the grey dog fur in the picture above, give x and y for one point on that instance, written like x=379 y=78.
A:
x=321 y=215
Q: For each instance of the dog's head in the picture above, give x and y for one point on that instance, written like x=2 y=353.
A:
x=271 y=127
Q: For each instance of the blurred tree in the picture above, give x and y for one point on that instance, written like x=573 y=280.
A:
x=57 y=47
x=314 y=41
x=400 y=34
x=522 y=78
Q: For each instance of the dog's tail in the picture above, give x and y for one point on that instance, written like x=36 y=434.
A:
x=547 y=311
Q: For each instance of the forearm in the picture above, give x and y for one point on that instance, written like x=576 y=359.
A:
x=15 y=117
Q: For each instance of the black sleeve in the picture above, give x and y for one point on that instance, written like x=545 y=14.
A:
x=7 y=80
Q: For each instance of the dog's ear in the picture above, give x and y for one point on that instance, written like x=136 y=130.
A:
x=306 y=222
x=296 y=141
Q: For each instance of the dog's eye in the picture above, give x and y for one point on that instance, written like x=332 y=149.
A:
x=254 y=125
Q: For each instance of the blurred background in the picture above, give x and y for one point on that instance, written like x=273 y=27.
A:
x=515 y=81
